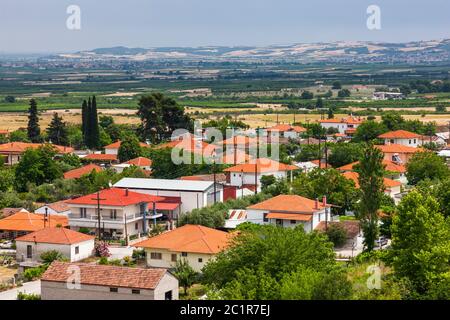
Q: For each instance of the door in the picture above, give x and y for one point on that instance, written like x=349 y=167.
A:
x=29 y=252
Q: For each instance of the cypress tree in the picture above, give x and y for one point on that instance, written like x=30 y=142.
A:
x=33 y=129
x=87 y=128
x=95 y=132
x=84 y=119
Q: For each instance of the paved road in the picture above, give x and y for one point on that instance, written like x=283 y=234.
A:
x=28 y=287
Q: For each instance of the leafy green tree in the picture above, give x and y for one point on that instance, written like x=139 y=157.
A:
x=33 y=129
x=307 y=95
x=19 y=135
x=75 y=136
x=337 y=85
x=426 y=165
x=420 y=242
x=344 y=153
x=368 y=131
x=6 y=179
x=57 y=131
x=392 y=120
x=85 y=119
x=37 y=166
x=337 y=234
x=344 y=93
x=129 y=149
x=319 y=103
x=185 y=274
x=266 y=181
x=371 y=184
x=330 y=114
x=443 y=196
x=48 y=257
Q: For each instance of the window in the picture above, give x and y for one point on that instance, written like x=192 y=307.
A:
x=409 y=141
x=200 y=260
x=184 y=254
x=293 y=222
x=77 y=250
x=265 y=219
x=113 y=214
x=392 y=141
x=113 y=290
x=136 y=291
x=168 y=295
x=174 y=257
x=155 y=255
x=415 y=141
x=135 y=226
x=83 y=212
x=29 y=252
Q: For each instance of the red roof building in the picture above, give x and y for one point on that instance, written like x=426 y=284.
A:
x=79 y=172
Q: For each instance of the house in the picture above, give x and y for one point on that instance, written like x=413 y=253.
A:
x=6 y=212
x=345 y=126
x=113 y=148
x=123 y=213
x=285 y=131
x=191 y=145
x=235 y=218
x=392 y=187
x=104 y=282
x=192 y=194
x=393 y=170
x=290 y=211
x=398 y=153
x=249 y=174
x=73 y=245
x=59 y=207
x=22 y=223
x=79 y=172
x=402 y=137
x=378 y=95
x=220 y=177
x=197 y=244
x=13 y=151
x=144 y=163
x=106 y=159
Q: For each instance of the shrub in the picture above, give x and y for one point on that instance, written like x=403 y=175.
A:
x=28 y=296
x=33 y=273
x=337 y=234
x=102 y=249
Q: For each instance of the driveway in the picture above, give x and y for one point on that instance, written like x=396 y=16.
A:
x=28 y=287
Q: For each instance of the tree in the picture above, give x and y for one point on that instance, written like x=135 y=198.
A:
x=307 y=95
x=266 y=181
x=84 y=120
x=36 y=166
x=392 y=120
x=336 y=85
x=420 y=242
x=368 y=131
x=441 y=109
x=442 y=194
x=344 y=93
x=344 y=153
x=57 y=131
x=48 y=257
x=330 y=113
x=319 y=103
x=185 y=274
x=19 y=135
x=426 y=165
x=93 y=125
x=371 y=184
x=129 y=149
x=337 y=234
x=33 y=129
x=269 y=262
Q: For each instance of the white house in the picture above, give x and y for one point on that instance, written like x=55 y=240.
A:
x=285 y=131
x=378 y=95
x=197 y=244
x=113 y=148
x=290 y=211
x=250 y=174
x=193 y=194
x=60 y=207
x=345 y=126
x=141 y=162
x=103 y=282
x=123 y=213
x=73 y=245
x=402 y=137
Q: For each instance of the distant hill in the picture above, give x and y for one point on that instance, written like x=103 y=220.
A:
x=351 y=51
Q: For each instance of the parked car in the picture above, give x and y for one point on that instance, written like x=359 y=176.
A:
x=6 y=245
x=381 y=241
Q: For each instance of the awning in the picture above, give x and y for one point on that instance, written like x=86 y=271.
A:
x=170 y=206
x=289 y=216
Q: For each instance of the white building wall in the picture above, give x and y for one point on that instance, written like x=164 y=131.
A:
x=196 y=260
x=85 y=250
x=112 y=151
x=249 y=178
x=406 y=142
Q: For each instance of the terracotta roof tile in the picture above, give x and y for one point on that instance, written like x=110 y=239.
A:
x=189 y=238
x=262 y=165
x=26 y=221
x=286 y=127
x=55 y=236
x=389 y=166
x=21 y=147
x=116 y=145
x=289 y=203
x=116 y=197
x=79 y=172
x=398 y=148
x=140 y=162
x=399 y=134
x=388 y=183
x=101 y=157
x=104 y=275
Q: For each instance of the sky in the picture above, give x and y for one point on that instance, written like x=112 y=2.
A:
x=33 y=26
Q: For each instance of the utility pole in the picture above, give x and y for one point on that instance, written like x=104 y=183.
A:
x=214 y=174
x=45 y=216
x=98 y=199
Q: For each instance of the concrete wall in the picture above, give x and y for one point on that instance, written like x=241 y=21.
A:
x=237 y=179
x=51 y=211
x=406 y=142
x=166 y=261
x=112 y=151
x=85 y=250
x=59 y=291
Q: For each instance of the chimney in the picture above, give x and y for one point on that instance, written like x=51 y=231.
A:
x=324 y=201
x=317 y=203
x=126 y=192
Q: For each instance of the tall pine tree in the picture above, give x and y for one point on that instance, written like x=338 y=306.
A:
x=371 y=181
x=33 y=129
x=57 y=131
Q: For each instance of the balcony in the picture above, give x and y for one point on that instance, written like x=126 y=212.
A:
x=106 y=218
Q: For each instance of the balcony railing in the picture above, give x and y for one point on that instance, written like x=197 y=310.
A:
x=129 y=217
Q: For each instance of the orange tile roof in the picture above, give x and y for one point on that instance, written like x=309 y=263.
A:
x=262 y=165
x=104 y=275
x=79 y=172
x=399 y=134
x=397 y=148
x=21 y=147
x=140 y=162
x=59 y=206
x=389 y=166
x=286 y=127
x=116 y=145
x=232 y=157
x=55 y=236
x=388 y=183
x=289 y=203
x=191 y=144
x=116 y=197
x=189 y=238
x=348 y=120
x=322 y=164
x=239 y=140
x=25 y=221
x=289 y=216
x=101 y=157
